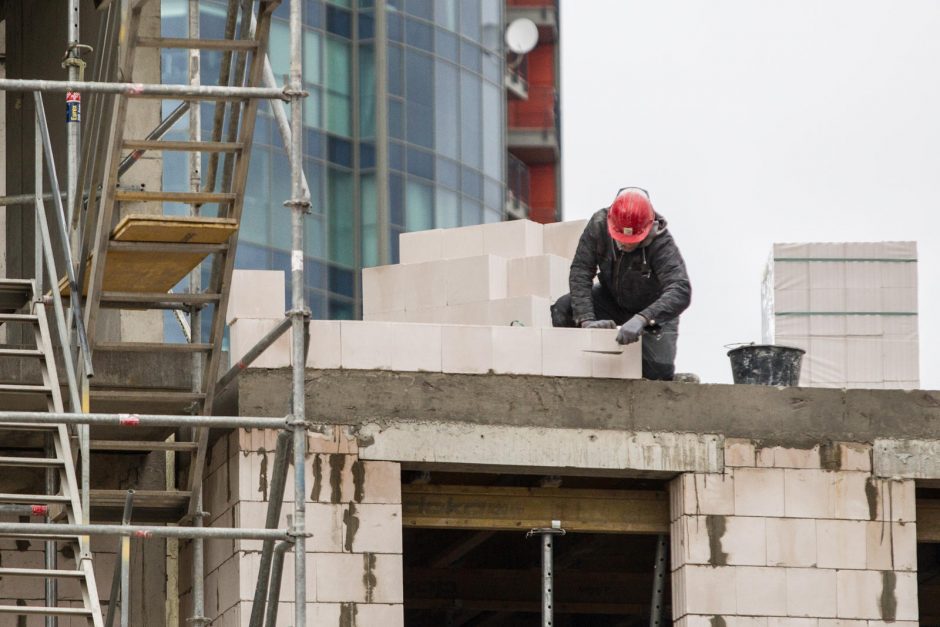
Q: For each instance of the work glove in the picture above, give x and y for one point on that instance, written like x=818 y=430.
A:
x=631 y=330
x=598 y=324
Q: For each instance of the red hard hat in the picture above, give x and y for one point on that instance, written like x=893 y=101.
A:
x=630 y=217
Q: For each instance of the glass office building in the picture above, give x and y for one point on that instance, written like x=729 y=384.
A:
x=404 y=129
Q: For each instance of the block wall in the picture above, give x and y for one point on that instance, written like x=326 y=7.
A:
x=354 y=556
x=793 y=537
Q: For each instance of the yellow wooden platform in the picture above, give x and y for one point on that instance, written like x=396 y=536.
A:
x=140 y=271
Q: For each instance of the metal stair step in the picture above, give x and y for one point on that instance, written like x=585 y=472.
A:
x=166 y=247
x=31 y=462
x=158 y=144
x=28 y=426
x=41 y=572
x=142 y=498
x=152 y=347
x=24 y=388
x=145 y=395
x=59 y=537
x=33 y=499
x=198 y=44
x=124 y=195
x=21 y=352
x=38 y=610
x=14 y=317
x=142 y=299
x=141 y=445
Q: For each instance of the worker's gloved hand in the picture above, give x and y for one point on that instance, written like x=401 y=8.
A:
x=631 y=330
x=598 y=324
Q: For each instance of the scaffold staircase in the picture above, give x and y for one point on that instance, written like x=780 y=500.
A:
x=38 y=458
x=137 y=262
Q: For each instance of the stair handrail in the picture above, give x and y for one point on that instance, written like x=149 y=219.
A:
x=44 y=248
x=75 y=295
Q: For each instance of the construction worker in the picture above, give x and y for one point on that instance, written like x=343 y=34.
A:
x=643 y=283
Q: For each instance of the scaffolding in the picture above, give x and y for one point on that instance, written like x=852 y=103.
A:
x=94 y=164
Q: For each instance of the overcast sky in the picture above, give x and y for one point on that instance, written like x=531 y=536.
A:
x=753 y=122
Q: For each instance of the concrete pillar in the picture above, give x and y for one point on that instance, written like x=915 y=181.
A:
x=791 y=536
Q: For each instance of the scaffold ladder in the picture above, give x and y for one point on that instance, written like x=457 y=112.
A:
x=169 y=247
x=33 y=449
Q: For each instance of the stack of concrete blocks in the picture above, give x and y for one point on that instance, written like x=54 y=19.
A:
x=488 y=274
x=851 y=306
x=795 y=537
x=354 y=555
x=485 y=292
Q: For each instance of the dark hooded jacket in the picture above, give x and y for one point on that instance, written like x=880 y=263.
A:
x=650 y=281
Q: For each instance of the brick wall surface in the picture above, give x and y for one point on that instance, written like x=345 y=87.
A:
x=354 y=557
x=793 y=536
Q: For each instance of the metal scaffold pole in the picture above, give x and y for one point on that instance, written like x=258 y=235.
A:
x=195 y=183
x=298 y=205
x=547 y=534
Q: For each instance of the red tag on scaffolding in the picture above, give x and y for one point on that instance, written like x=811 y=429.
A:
x=73 y=106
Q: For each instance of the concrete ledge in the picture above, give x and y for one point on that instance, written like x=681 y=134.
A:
x=554 y=450
x=792 y=417
x=906 y=459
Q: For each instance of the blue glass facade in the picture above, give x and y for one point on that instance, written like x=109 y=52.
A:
x=444 y=141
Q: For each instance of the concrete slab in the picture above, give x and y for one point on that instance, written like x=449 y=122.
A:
x=794 y=417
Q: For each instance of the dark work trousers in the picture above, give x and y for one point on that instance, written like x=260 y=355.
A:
x=659 y=351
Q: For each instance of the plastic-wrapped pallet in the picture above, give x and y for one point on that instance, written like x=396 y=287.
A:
x=851 y=306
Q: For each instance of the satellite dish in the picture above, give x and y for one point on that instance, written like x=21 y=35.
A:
x=522 y=35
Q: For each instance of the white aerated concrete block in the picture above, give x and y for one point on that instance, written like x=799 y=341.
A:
x=366 y=345
x=758 y=492
x=791 y=326
x=811 y=592
x=383 y=289
x=864 y=325
x=420 y=246
x=894 y=274
x=561 y=238
x=517 y=350
x=466 y=241
x=416 y=347
x=627 y=363
x=790 y=275
x=425 y=285
x=761 y=591
x=899 y=299
x=466 y=313
x=864 y=300
x=544 y=275
x=864 y=360
x=827 y=299
x=823 y=274
x=795 y=300
x=474 y=279
x=822 y=326
x=791 y=542
x=256 y=294
x=326 y=350
x=516 y=238
x=900 y=360
x=467 y=349
x=564 y=353
x=532 y=311
x=244 y=333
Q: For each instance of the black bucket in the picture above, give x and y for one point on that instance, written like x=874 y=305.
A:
x=766 y=364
